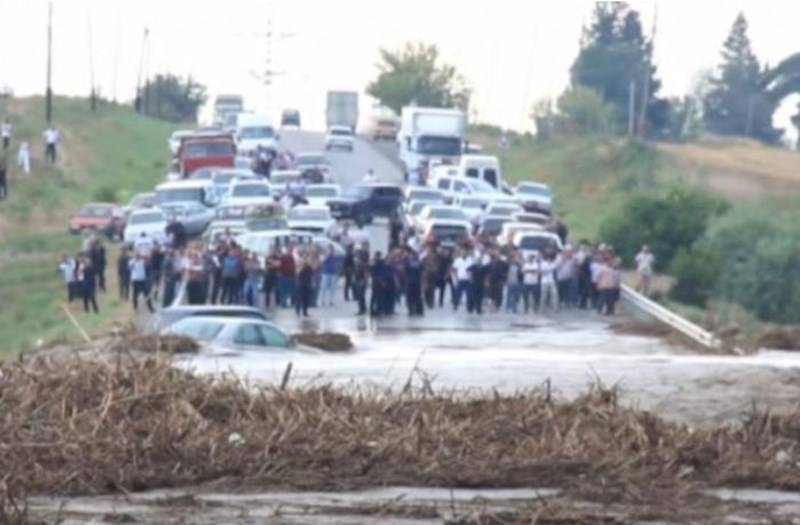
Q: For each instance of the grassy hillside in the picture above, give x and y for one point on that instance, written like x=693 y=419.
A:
x=592 y=176
x=110 y=154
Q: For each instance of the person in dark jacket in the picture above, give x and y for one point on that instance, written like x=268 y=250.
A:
x=413 y=284
x=477 y=285
x=177 y=232
x=305 y=286
x=98 y=260
x=348 y=269
x=87 y=279
x=361 y=280
x=271 y=273
x=497 y=274
x=124 y=274
x=156 y=268
x=380 y=275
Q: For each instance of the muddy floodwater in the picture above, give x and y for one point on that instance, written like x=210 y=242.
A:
x=511 y=353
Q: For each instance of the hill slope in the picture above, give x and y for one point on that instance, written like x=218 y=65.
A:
x=110 y=154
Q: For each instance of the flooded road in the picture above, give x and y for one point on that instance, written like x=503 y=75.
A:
x=570 y=351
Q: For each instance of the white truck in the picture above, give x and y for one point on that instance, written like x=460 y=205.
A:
x=434 y=135
x=254 y=130
x=226 y=107
x=342 y=109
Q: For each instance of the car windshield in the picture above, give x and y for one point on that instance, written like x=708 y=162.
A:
x=194 y=150
x=257 y=132
x=538 y=191
x=146 y=218
x=423 y=195
x=321 y=192
x=505 y=211
x=357 y=192
x=448 y=146
x=453 y=214
x=224 y=178
x=250 y=190
x=481 y=186
x=534 y=242
x=493 y=224
x=165 y=196
x=203 y=174
x=449 y=232
x=341 y=132
x=309 y=214
x=309 y=160
x=92 y=211
x=198 y=329
x=267 y=224
x=282 y=179
x=416 y=208
x=229 y=212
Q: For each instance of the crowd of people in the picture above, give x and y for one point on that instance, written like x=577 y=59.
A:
x=416 y=275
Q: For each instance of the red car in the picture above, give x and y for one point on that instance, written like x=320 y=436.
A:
x=99 y=217
x=206 y=151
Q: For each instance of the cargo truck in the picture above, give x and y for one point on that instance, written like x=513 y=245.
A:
x=342 y=109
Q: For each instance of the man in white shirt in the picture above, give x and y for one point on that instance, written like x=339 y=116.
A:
x=143 y=246
x=644 y=267
x=5 y=133
x=24 y=158
x=51 y=137
x=139 y=284
x=67 y=268
x=548 y=283
x=461 y=277
x=531 y=290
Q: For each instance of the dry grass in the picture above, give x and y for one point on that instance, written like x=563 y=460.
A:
x=85 y=427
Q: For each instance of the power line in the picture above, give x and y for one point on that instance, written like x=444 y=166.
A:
x=49 y=90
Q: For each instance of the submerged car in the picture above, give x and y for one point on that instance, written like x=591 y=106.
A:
x=169 y=316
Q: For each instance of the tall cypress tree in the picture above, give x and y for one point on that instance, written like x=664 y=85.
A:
x=737 y=104
x=615 y=52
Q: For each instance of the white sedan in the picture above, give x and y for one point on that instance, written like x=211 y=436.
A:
x=534 y=196
x=320 y=194
x=340 y=137
x=312 y=219
x=247 y=193
x=439 y=213
x=151 y=222
x=227 y=335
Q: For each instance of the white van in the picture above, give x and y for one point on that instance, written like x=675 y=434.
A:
x=252 y=131
x=483 y=167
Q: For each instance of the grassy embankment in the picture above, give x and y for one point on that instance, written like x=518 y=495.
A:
x=107 y=155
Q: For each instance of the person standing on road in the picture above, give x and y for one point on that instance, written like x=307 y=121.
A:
x=305 y=286
x=24 y=158
x=549 y=288
x=329 y=271
x=88 y=280
x=567 y=275
x=514 y=284
x=5 y=133
x=497 y=274
x=67 y=268
x=348 y=268
x=361 y=280
x=51 y=138
x=252 y=279
x=477 y=272
x=271 y=276
x=196 y=286
x=413 y=284
x=461 y=278
x=287 y=278
x=123 y=273
x=138 y=269
x=99 y=263
x=232 y=270
x=644 y=268
x=3 y=175
x=531 y=280
x=430 y=274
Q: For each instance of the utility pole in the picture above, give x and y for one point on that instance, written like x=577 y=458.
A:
x=48 y=108
x=631 y=107
x=93 y=91
x=647 y=75
x=115 y=65
x=138 y=100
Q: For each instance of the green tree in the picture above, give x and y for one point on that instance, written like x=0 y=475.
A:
x=737 y=103
x=168 y=97
x=415 y=74
x=615 y=54
x=667 y=223
x=584 y=111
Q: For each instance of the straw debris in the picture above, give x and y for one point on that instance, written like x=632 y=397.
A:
x=327 y=341
x=86 y=427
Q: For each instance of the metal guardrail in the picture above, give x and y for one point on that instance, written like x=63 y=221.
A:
x=655 y=311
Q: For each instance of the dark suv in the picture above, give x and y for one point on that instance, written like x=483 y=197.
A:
x=364 y=202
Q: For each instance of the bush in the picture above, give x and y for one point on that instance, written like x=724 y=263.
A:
x=105 y=194
x=760 y=263
x=667 y=223
x=696 y=272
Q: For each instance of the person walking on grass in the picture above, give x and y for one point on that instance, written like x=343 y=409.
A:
x=51 y=138
x=88 y=283
x=138 y=269
x=3 y=175
x=67 y=268
x=24 y=158
x=124 y=273
x=644 y=268
x=5 y=133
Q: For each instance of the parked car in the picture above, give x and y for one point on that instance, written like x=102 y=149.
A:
x=340 y=137
x=532 y=218
x=193 y=216
x=168 y=316
x=290 y=118
x=492 y=225
x=248 y=192
x=421 y=193
x=412 y=211
x=313 y=167
x=433 y=213
x=313 y=219
x=261 y=242
x=100 y=217
x=447 y=232
x=222 y=180
x=279 y=180
x=320 y=194
x=511 y=229
x=206 y=173
x=454 y=186
x=473 y=207
x=534 y=196
x=364 y=202
x=503 y=209
x=529 y=242
x=232 y=334
x=153 y=223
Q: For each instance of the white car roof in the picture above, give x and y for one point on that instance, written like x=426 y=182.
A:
x=183 y=184
x=229 y=320
x=324 y=186
x=147 y=211
x=304 y=207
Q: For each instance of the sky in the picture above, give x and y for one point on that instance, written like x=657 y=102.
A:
x=511 y=52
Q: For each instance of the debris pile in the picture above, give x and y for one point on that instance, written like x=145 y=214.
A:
x=92 y=427
x=327 y=341
x=155 y=344
x=779 y=338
